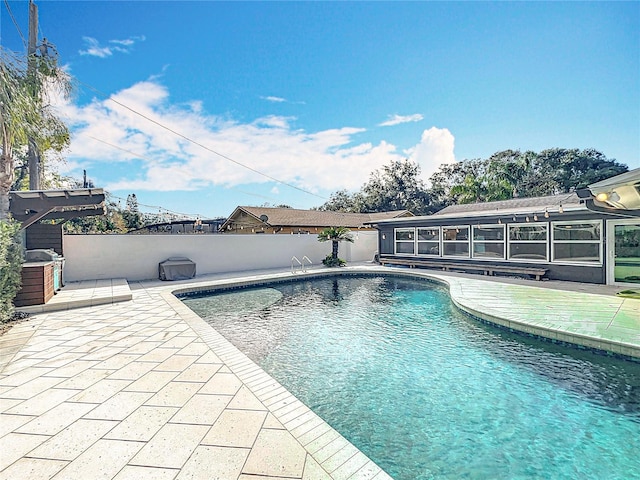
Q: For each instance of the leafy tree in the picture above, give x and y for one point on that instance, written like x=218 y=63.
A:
x=574 y=168
x=512 y=173
x=26 y=116
x=396 y=186
x=335 y=235
x=342 y=201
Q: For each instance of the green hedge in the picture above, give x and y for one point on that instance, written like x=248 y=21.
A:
x=11 y=259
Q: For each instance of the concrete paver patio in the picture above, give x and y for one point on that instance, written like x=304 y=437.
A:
x=145 y=389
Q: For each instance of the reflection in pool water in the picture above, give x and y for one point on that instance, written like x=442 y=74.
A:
x=427 y=392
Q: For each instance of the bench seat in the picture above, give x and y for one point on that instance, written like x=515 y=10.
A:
x=488 y=269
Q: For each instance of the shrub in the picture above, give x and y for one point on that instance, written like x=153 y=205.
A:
x=11 y=259
x=330 y=261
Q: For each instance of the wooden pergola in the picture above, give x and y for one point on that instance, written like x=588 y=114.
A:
x=31 y=206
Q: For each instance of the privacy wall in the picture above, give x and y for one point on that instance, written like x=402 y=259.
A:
x=136 y=257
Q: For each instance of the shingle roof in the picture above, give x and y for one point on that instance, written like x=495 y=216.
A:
x=291 y=217
x=551 y=202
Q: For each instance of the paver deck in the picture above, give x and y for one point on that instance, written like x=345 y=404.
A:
x=145 y=389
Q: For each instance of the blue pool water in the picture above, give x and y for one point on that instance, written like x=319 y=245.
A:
x=428 y=392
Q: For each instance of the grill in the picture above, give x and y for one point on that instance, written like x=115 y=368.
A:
x=47 y=255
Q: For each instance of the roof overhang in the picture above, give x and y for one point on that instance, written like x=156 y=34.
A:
x=31 y=206
x=618 y=195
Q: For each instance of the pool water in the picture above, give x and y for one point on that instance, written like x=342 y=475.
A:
x=428 y=392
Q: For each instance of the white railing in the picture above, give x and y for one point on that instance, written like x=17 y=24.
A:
x=295 y=263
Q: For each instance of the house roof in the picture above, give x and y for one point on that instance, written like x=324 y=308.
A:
x=290 y=217
x=30 y=206
x=515 y=206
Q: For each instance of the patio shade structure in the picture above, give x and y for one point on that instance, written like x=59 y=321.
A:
x=31 y=206
x=621 y=192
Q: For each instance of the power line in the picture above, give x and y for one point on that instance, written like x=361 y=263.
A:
x=198 y=143
x=135 y=155
x=24 y=42
x=161 y=209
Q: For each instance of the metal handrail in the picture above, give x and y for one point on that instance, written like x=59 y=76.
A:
x=304 y=269
x=293 y=270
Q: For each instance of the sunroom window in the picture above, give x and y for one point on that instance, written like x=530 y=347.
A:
x=488 y=241
x=528 y=242
x=405 y=240
x=577 y=242
x=455 y=241
x=428 y=241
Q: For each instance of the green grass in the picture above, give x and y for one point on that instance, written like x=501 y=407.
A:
x=629 y=294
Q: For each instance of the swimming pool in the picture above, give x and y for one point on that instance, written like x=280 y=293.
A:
x=427 y=392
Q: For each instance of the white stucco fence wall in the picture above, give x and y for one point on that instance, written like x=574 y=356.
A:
x=136 y=257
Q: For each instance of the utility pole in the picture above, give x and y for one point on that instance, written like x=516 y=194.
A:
x=33 y=155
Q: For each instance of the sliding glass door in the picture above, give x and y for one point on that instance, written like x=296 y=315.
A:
x=624 y=252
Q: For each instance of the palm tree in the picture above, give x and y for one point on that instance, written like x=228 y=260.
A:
x=25 y=114
x=335 y=235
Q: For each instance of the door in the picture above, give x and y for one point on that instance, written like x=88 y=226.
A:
x=624 y=257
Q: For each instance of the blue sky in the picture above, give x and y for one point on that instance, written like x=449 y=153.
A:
x=317 y=95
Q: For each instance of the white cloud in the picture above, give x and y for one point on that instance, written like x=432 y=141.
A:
x=103 y=51
x=274 y=99
x=398 y=119
x=159 y=160
x=436 y=147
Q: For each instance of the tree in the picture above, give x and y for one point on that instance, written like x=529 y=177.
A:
x=396 y=186
x=341 y=201
x=511 y=173
x=25 y=114
x=335 y=235
x=574 y=168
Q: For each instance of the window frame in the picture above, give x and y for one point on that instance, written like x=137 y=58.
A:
x=438 y=242
x=503 y=242
x=446 y=242
x=395 y=240
x=521 y=242
x=555 y=242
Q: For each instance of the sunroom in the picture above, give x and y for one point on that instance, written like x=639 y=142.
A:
x=555 y=237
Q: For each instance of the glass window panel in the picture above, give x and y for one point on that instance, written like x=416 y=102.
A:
x=576 y=231
x=488 y=250
x=404 y=234
x=456 y=249
x=457 y=233
x=528 y=251
x=428 y=248
x=404 y=247
x=627 y=253
x=428 y=234
x=488 y=233
x=528 y=232
x=577 y=252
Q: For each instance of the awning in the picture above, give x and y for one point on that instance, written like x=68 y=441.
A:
x=31 y=206
x=619 y=194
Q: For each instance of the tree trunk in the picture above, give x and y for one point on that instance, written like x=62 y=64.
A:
x=34 y=166
x=6 y=180
x=334 y=249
